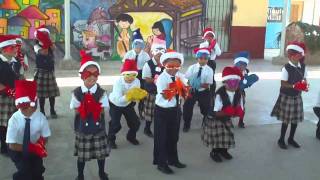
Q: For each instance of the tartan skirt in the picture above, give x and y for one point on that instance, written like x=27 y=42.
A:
x=92 y=146
x=217 y=134
x=288 y=109
x=149 y=105
x=7 y=108
x=46 y=84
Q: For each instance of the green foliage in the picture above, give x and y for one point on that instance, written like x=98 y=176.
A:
x=311 y=36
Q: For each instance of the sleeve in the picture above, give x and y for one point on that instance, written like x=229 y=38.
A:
x=284 y=74
x=36 y=48
x=183 y=78
x=188 y=74
x=74 y=103
x=104 y=101
x=318 y=102
x=305 y=73
x=217 y=49
x=204 y=44
x=218 y=103
x=45 y=130
x=146 y=71
x=12 y=131
x=146 y=56
x=117 y=91
x=209 y=78
x=161 y=85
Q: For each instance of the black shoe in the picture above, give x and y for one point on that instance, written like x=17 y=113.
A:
x=4 y=149
x=133 y=141
x=318 y=132
x=293 y=143
x=148 y=132
x=215 y=157
x=103 y=176
x=43 y=112
x=80 y=177
x=178 y=165
x=282 y=144
x=225 y=154
x=186 y=128
x=53 y=114
x=112 y=145
x=165 y=169
x=241 y=124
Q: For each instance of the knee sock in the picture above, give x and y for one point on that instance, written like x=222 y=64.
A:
x=101 y=165
x=80 y=165
x=52 y=101
x=42 y=102
x=283 y=131
x=292 y=131
x=148 y=124
x=3 y=132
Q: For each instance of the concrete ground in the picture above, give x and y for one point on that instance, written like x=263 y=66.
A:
x=256 y=155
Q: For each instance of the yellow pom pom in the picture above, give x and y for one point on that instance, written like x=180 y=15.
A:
x=136 y=94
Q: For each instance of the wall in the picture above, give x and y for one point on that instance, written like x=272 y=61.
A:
x=311 y=11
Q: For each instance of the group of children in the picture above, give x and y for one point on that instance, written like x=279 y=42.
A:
x=155 y=81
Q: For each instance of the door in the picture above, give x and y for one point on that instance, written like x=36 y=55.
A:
x=296 y=11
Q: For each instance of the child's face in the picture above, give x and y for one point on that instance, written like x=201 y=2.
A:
x=202 y=61
x=295 y=57
x=137 y=50
x=232 y=84
x=27 y=111
x=156 y=31
x=90 y=76
x=124 y=24
x=10 y=51
x=129 y=77
x=172 y=66
x=242 y=67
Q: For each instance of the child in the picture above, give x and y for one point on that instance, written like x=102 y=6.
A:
x=90 y=102
x=217 y=126
x=151 y=70
x=8 y=50
x=241 y=61
x=121 y=103
x=159 y=34
x=167 y=113
x=123 y=34
x=45 y=77
x=20 y=62
x=316 y=110
x=289 y=106
x=200 y=77
x=211 y=43
x=28 y=132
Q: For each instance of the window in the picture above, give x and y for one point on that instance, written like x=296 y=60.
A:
x=54 y=15
x=36 y=23
x=22 y=33
x=53 y=24
x=26 y=2
x=1 y=30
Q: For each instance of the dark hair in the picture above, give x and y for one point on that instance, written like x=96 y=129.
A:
x=159 y=25
x=124 y=17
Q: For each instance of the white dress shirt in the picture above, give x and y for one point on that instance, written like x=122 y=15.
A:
x=146 y=71
x=206 y=76
x=218 y=105
x=119 y=90
x=143 y=57
x=74 y=103
x=162 y=83
x=285 y=74
x=38 y=127
x=216 y=51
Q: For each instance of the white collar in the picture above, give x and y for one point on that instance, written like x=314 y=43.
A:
x=168 y=75
x=299 y=65
x=23 y=116
x=198 y=65
x=92 y=90
x=4 y=58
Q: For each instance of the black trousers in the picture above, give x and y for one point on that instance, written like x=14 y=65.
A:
x=203 y=99
x=131 y=117
x=166 y=135
x=141 y=103
x=213 y=65
x=28 y=168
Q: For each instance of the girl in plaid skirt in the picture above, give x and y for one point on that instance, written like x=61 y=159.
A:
x=289 y=106
x=8 y=50
x=217 y=125
x=90 y=101
x=45 y=77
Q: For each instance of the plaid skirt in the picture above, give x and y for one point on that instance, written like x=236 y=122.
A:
x=149 y=105
x=46 y=84
x=217 y=134
x=288 y=109
x=7 y=108
x=92 y=146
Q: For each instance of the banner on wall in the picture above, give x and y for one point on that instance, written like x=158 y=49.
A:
x=275 y=14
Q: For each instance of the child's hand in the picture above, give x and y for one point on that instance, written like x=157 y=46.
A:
x=301 y=86
x=168 y=94
x=229 y=111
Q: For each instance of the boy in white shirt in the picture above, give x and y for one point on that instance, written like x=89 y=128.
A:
x=28 y=131
x=200 y=77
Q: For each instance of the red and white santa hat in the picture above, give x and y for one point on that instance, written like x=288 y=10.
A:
x=26 y=93
x=297 y=46
x=87 y=60
x=157 y=44
x=231 y=73
x=199 y=51
x=129 y=67
x=8 y=40
x=41 y=28
x=171 y=54
x=207 y=31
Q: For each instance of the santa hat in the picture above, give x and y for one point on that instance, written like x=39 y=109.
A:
x=41 y=28
x=201 y=51
x=207 y=31
x=129 y=66
x=242 y=56
x=231 y=73
x=137 y=38
x=26 y=93
x=8 y=40
x=87 y=60
x=157 y=44
x=297 y=46
x=171 y=54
